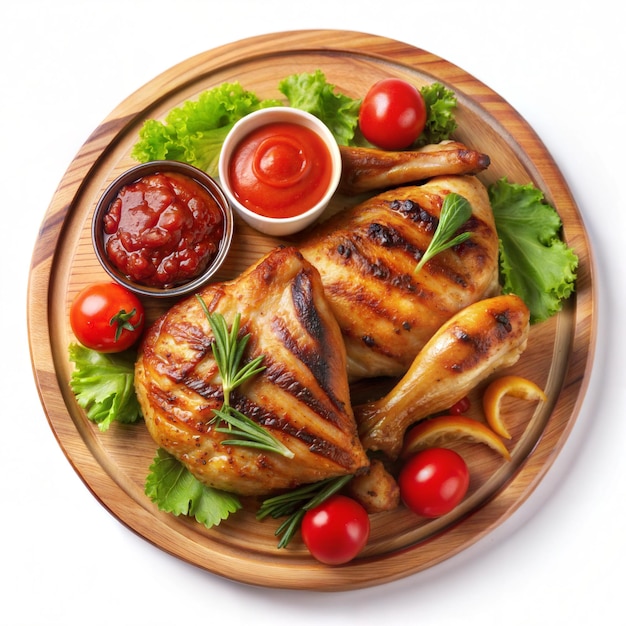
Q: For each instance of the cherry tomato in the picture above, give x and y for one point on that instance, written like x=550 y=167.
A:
x=392 y=114
x=336 y=531
x=433 y=482
x=460 y=407
x=107 y=317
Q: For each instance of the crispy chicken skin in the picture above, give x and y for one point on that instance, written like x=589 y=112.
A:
x=302 y=397
x=478 y=341
x=368 y=169
x=367 y=255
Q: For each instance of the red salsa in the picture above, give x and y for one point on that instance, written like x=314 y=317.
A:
x=163 y=229
x=280 y=170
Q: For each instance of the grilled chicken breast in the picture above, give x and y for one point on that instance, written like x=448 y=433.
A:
x=302 y=397
x=367 y=255
x=479 y=340
x=368 y=169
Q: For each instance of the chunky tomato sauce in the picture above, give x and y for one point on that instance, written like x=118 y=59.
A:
x=163 y=229
x=280 y=170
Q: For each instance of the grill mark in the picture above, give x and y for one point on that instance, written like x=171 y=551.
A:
x=315 y=444
x=429 y=223
x=387 y=237
x=482 y=342
x=315 y=360
x=173 y=410
x=363 y=264
x=416 y=213
x=356 y=292
x=203 y=388
x=183 y=333
x=192 y=336
x=169 y=402
x=306 y=311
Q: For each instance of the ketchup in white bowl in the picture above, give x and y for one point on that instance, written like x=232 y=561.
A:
x=280 y=170
x=279 y=167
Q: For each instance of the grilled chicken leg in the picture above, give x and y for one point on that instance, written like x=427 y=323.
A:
x=484 y=337
x=367 y=169
x=367 y=255
x=302 y=397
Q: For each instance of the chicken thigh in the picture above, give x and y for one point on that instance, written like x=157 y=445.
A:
x=367 y=256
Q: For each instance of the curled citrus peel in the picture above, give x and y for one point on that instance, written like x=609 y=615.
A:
x=438 y=430
x=515 y=386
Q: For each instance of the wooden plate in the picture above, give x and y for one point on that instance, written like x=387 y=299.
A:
x=114 y=465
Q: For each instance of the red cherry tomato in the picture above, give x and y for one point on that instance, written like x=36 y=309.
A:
x=107 y=317
x=433 y=482
x=336 y=531
x=392 y=114
x=460 y=407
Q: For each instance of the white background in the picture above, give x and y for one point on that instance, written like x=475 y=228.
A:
x=65 y=65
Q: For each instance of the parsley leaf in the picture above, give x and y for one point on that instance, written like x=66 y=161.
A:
x=104 y=386
x=535 y=263
x=174 y=489
x=455 y=211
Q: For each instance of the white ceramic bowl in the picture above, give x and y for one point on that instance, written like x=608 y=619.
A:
x=278 y=226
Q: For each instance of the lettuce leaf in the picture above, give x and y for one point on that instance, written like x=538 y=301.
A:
x=440 y=121
x=312 y=93
x=535 y=263
x=104 y=386
x=195 y=131
x=174 y=489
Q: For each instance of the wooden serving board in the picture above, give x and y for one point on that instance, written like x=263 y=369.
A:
x=114 y=465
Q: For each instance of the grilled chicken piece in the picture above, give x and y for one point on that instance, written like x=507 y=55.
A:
x=367 y=256
x=376 y=489
x=481 y=339
x=302 y=397
x=368 y=169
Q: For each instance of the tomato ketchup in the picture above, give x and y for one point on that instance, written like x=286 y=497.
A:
x=280 y=170
x=163 y=229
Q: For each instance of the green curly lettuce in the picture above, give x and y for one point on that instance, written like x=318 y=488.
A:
x=535 y=263
x=172 y=487
x=104 y=386
x=195 y=131
x=312 y=93
x=440 y=107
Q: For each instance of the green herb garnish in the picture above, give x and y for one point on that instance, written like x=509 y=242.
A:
x=311 y=92
x=228 y=349
x=296 y=503
x=455 y=211
x=535 y=262
x=104 y=385
x=173 y=488
x=440 y=107
x=194 y=131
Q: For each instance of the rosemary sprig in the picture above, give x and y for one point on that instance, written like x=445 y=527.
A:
x=294 y=504
x=455 y=211
x=251 y=434
x=228 y=349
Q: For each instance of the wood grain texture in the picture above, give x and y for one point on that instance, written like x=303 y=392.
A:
x=114 y=465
